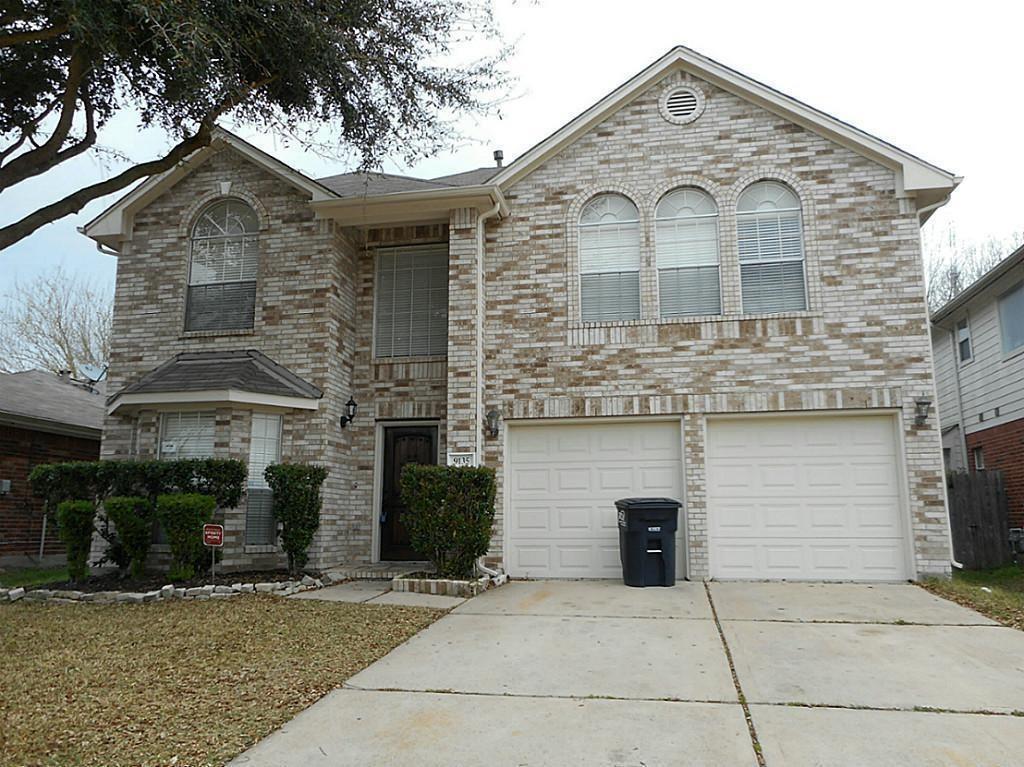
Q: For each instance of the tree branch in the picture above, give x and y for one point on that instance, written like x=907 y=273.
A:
x=28 y=129
x=32 y=35
x=22 y=166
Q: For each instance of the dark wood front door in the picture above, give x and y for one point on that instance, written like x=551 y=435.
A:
x=402 y=445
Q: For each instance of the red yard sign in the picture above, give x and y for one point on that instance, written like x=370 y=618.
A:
x=213 y=535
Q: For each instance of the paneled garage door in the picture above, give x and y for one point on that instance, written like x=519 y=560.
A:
x=563 y=481
x=814 y=498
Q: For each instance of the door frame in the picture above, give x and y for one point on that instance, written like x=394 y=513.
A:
x=378 y=472
x=683 y=566
x=893 y=414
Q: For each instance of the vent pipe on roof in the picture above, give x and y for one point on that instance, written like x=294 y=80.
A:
x=499 y=157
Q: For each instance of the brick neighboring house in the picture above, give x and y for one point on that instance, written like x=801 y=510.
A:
x=44 y=418
x=978 y=343
x=700 y=288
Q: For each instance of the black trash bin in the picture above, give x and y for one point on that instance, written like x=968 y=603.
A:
x=647 y=540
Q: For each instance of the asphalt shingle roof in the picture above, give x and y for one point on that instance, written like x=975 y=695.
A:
x=370 y=184
x=43 y=396
x=247 y=370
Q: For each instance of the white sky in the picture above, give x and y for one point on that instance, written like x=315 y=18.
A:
x=938 y=79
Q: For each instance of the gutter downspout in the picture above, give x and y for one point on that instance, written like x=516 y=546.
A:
x=495 y=575
x=935 y=396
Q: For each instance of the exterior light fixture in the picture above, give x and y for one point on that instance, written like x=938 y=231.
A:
x=922 y=406
x=350 y=413
x=493 y=419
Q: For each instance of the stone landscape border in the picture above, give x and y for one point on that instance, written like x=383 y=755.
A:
x=170 y=591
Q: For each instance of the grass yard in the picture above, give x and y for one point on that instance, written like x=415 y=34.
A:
x=31 y=576
x=186 y=683
x=1003 y=601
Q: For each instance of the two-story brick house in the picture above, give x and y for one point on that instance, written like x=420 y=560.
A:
x=698 y=288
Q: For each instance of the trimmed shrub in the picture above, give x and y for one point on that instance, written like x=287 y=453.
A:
x=133 y=519
x=451 y=512
x=75 y=526
x=222 y=478
x=296 y=505
x=183 y=516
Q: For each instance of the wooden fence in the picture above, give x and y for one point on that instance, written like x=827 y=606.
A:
x=978 y=516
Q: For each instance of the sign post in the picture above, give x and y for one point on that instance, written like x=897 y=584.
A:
x=213 y=537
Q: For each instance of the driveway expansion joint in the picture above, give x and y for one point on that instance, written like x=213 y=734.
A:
x=754 y=742
x=889 y=709
x=478 y=694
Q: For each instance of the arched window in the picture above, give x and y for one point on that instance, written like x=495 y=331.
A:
x=609 y=231
x=222 y=268
x=771 y=248
x=686 y=248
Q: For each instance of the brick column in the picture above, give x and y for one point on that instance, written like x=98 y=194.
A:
x=465 y=334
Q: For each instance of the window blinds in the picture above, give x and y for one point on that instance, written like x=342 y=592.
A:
x=411 y=312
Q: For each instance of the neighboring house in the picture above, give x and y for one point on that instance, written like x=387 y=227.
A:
x=978 y=345
x=699 y=288
x=44 y=418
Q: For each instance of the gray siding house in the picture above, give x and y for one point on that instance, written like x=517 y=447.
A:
x=978 y=343
x=699 y=288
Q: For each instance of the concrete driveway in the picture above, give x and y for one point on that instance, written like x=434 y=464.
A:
x=595 y=673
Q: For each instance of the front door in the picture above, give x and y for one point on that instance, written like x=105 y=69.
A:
x=402 y=445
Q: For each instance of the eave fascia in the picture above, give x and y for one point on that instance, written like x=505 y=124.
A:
x=141 y=400
x=419 y=206
x=31 y=423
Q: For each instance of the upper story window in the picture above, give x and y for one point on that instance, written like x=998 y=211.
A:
x=963 y=340
x=609 y=236
x=771 y=249
x=1011 y=319
x=686 y=247
x=222 y=268
x=411 y=301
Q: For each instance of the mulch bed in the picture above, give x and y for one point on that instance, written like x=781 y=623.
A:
x=177 y=682
x=112 y=581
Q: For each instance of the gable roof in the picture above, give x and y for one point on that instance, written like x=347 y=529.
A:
x=930 y=183
x=40 y=400
x=114 y=225
x=218 y=376
x=977 y=287
x=372 y=184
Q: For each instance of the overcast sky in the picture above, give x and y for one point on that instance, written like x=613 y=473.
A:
x=942 y=81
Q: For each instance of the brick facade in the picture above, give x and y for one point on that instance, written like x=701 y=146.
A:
x=1003 y=450
x=21 y=512
x=516 y=342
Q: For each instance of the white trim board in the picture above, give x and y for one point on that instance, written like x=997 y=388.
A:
x=212 y=397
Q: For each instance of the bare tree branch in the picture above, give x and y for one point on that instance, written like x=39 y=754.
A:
x=58 y=321
x=954 y=263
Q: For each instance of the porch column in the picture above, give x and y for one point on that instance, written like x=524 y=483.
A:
x=465 y=336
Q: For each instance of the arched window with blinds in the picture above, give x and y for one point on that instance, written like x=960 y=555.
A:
x=686 y=248
x=609 y=241
x=771 y=249
x=223 y=264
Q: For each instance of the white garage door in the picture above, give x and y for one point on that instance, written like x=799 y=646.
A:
x=814 y=498
x=563 y=481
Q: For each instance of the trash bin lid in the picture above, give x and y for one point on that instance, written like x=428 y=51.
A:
x=647 y=503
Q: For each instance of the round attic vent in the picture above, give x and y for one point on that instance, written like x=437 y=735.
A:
x=682 y=105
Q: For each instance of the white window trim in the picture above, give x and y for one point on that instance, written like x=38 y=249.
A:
x=193 y=238
x=976 y=452
x=957 y=339
x=163 y=433
x=802 y=259
x=1013 y=353
x=638 y=222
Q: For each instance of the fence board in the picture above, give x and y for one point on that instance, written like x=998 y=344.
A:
x=979 y=519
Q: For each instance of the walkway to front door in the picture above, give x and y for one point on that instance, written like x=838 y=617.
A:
x=402 y=445
x=595 y=673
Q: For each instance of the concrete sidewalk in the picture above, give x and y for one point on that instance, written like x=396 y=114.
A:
x=595 y=673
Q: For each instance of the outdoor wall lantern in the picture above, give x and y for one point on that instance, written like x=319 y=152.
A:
x=493 y=419
x=350 y=413
x=922 y=406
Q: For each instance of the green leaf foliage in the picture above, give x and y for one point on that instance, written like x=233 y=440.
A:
x=297 y=503
x=133 y=519
x=224 y=479
x=183 y=516
x=75 y=524
x=450 y=514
